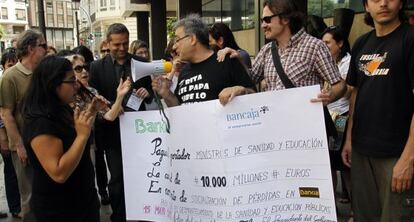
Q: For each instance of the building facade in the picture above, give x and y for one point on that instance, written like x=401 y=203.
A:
x=59 y=20
x=96 y=15
x=13 y=20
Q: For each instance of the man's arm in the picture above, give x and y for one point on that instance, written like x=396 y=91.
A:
x=337 y=91
x=402 y=173
x=328 y=71
x=13 y=133
x=161 y=86
x=347 y=149
x=227 y=94
x=331 y=94
x=171 y=100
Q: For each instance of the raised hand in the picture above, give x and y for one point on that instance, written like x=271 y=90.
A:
x=161 y=85
x=123 y=87
x=142 y=93
x=83 y=122
x=221 y=54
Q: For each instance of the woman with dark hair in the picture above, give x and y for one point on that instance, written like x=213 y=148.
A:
x=85 y=52
x=56 y=138
x=339 y=48
x=65 y=52
x=109 y=113
x=222 y=40
x=8 y=58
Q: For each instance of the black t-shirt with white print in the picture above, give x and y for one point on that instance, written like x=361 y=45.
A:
x=382 y=70
x=204 y=81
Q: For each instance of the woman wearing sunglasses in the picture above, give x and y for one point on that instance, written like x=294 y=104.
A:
x=81 y=70
x=56 y=138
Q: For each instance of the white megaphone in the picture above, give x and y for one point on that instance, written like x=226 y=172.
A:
x=141 y=69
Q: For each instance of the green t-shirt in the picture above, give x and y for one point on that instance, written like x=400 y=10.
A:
x=13 y=86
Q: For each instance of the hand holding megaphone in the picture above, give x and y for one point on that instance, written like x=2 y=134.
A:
x=161 y=85
x=176 y=68
x=141 y=69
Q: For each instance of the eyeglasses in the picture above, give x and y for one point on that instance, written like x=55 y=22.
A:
x=44 y=46
x=105 y=51
x=72 y=81
x=268 y=19
x=79 y=68
x=179 y=39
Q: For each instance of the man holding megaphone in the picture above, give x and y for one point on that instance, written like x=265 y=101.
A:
x=203 y=78
x=105 y=74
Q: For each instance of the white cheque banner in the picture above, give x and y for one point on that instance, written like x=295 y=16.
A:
x=263 y=157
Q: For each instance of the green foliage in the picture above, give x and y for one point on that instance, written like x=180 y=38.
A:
x=323 y=8
x=170 y=26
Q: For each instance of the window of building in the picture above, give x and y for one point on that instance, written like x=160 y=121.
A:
x=50 y=20
x=60 y=21
x=325 y=8
x=49 y=36
x=70 y=21
x=59 y=42
x=68 y=35
x=102 y=5
x=237 y=14
x=49 y=14
x=20 y=14
x=18 y=29
x=112 y=4
x=69 y=8
x=49 y=8
x=59 y=6
x=4 y=13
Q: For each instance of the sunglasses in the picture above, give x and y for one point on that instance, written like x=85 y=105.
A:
x=331 y=28
x=44 y=46
x=70 y=81
x=105 y=51
x=79 y=68
x=268 y=19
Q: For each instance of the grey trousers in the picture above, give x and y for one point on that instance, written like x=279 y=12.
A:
x=372 y=198
x=24 y=179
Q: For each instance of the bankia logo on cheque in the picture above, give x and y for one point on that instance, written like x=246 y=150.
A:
x=248 y=118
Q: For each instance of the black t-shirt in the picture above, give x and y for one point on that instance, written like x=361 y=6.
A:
x=382 y=69
x=204 y=81
x=76 y=194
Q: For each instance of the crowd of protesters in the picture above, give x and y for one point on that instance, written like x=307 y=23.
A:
x=58 y=106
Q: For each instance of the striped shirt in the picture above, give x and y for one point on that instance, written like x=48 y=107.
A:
x=306 y=61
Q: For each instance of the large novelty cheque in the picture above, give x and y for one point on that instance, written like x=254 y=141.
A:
x=262 y=157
